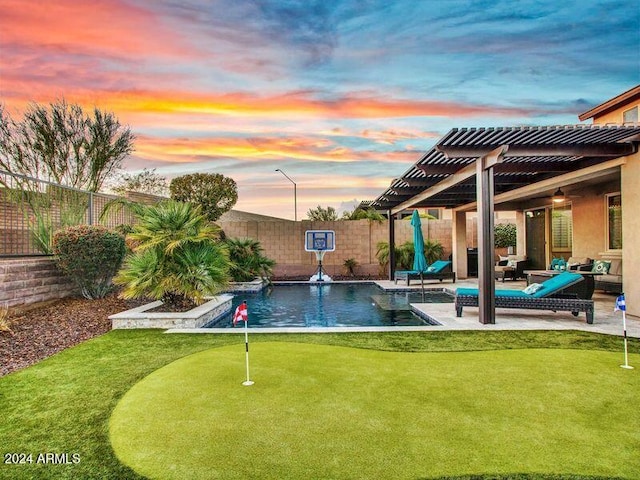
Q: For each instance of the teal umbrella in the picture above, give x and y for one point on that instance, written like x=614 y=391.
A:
x=419 y=260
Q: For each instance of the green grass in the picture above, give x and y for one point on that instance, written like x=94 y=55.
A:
x=64 y=404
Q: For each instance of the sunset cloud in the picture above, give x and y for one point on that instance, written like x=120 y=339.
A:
x=343 y=95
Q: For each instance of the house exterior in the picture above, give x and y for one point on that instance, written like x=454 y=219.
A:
x=595 y=167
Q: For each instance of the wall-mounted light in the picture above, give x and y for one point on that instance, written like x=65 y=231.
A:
x=558 y=197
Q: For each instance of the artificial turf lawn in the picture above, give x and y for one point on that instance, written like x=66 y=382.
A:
x=334 y=412
x=64 y=404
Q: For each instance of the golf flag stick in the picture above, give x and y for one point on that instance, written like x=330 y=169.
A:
x=241 y=314
x=621 y=305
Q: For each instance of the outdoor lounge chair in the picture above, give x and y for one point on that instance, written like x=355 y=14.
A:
x=549 y=296
x=438 y=270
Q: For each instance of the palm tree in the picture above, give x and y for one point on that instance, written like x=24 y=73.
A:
x=433 y=250
x=177 y=259
x=403 y=253
x=247 y=260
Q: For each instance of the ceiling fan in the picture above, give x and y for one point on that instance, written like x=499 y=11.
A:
x=557 y=198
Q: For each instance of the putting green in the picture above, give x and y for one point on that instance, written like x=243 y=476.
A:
x=332 y=412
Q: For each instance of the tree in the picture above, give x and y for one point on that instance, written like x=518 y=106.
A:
x=146 y=181
x=62 y=144
x=248 y=260
x=370 y=214
x=178 y=257
x=215 y=193
x=320 y=214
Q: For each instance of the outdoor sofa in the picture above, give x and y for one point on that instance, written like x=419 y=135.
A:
x=511 y=267
x=550 y=295
x=611 y=281
x=438 y=270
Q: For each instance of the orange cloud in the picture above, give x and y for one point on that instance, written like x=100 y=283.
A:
x=111 y=28
x=177 y=150
x=283 y=106
x=296 y=104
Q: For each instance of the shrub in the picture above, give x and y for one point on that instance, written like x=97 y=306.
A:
x=247 y=260
x=91 y=255
x=403 y=254
x=433 y=251
x=504 y=235
x=215 y=193
x=5 y=323
x=350 y=265
x=178 y=258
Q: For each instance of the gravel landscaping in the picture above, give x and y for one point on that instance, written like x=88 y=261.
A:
x=44 y=331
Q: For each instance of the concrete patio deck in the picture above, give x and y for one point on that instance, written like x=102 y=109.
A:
x=605 y=320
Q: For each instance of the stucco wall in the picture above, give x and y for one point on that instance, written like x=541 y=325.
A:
x=630 y=173
x=588 y=214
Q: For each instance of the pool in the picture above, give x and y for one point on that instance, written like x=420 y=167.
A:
x=332 y=305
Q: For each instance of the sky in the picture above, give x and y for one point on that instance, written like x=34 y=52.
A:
x=342 y=96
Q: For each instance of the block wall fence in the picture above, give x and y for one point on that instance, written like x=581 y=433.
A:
x=26 y=281
x=283 y=241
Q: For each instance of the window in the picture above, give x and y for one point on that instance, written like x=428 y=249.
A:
x=434 y=213
x=614 y=223
x=630 y=115
x=561 y=228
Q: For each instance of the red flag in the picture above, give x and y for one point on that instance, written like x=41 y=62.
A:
x=241 y=314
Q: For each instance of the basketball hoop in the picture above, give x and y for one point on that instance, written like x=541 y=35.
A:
x=320 y=242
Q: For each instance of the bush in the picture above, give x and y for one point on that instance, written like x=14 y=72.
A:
x=178 y=258
x=247 y=260
x=350 y=265
x=215 y=193
x=91 y=255
x=504 y=235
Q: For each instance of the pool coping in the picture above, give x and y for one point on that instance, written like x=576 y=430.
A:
x=607 y=322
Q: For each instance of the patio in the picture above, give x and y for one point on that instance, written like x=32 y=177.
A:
x=606 y=321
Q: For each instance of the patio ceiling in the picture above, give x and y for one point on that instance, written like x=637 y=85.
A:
x=446 y=176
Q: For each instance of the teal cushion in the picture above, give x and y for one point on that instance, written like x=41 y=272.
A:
x=601 y=266
x=473 y=292
x=556 y=283
x=510 y=293
x=438 y=265
x=467 y=291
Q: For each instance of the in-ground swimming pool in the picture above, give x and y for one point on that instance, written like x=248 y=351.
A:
x=332 y=305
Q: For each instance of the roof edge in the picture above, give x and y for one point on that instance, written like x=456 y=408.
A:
x=611 y=104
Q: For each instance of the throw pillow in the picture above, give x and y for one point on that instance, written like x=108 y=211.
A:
x=512 y=263
x=601 y=266
x=533 y=288
x=431 y=269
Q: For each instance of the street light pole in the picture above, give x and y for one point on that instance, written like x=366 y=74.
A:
x=295 y=195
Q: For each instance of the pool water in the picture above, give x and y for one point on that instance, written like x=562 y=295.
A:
x=332 y=305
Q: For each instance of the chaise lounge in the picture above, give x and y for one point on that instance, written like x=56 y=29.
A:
x=548 y=295
x=438 y=270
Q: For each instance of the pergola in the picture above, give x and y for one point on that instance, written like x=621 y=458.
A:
x=475 y=168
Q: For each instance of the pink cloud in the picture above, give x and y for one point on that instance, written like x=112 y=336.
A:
x=108 y=28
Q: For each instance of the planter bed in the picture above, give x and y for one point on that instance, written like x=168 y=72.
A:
x=140 y=317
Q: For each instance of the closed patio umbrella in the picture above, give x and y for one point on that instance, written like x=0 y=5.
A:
x=419 y=260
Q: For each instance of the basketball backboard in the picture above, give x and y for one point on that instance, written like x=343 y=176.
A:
x=320 y=240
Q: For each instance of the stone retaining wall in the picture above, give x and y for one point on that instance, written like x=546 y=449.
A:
x=26 y=281
x=139 y=317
